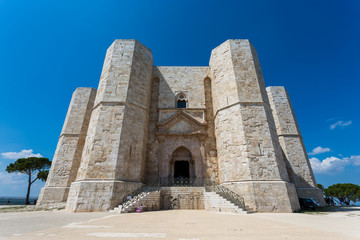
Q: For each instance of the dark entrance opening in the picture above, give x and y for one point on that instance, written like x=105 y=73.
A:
x=181 y=169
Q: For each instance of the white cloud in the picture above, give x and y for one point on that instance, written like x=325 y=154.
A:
x=319 y=150
x=330 y=165
x=22 y=154
x=354 y=159
x=340 y=124
x=12 y=178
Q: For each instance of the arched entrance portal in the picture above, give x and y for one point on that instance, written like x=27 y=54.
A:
x=182 y=163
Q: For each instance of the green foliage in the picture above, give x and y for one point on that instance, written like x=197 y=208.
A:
x=321 y=187
x=344 y=192
x=31 y=166
x=42 y=175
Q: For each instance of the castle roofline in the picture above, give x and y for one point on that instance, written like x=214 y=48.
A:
x=130 y=40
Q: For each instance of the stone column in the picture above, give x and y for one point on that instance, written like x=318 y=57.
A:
x=292 y=144
x=68 y=152
x=202 y=166
x=249 y=153
x=113 y=158
x=210 y=158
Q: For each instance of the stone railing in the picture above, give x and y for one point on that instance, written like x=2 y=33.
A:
x=138 y=193
x=179 y=182
x=211 y=186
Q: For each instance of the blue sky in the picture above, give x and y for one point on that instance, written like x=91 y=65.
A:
x=48 y=48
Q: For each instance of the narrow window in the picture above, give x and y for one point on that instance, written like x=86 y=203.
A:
x=181 y=103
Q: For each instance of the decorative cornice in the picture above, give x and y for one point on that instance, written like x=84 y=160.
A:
x=181 y=114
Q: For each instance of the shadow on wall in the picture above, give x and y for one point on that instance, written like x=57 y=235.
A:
x=166 y=95
x=161 y=96
x=293 y=177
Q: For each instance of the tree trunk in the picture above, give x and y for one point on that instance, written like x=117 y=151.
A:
x=28 y=191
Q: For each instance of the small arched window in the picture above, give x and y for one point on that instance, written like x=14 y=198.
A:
x=181 y=102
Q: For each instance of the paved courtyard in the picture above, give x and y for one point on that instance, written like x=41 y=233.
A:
x=179 y=225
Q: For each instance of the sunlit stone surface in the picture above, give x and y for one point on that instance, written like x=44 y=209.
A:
x=145 y=123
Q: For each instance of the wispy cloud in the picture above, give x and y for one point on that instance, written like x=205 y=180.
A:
x=340 y=124
x=12 y=178
x=333 y=165
x=22 y=154
x=319 y=150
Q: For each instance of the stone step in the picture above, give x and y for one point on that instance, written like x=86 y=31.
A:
x=150 y=201
x=147 y=199
x=215 y=202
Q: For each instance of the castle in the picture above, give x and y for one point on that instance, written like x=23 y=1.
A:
x=145 y=123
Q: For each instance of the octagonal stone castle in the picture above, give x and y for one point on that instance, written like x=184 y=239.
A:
x=146 y=123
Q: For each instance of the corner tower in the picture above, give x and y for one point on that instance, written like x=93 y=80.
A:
x=113 y=158
x=292 y=144
x=249 y=154
x=68 y=152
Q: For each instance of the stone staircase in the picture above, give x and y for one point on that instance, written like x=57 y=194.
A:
x=150 y=200
x=215 y=202
x=147 y=200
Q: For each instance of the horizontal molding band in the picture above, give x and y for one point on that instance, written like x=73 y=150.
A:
x=243 y=104
x=257 y=181
x=290 y=135
x=105 y=180
x=69 y=135
x=185 y=109
x=118 y=103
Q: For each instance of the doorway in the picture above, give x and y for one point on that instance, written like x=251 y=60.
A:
x=181 y=169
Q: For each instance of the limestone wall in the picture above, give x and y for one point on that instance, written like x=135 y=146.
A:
x=152 y=159
x=68 y=152
x=168 y=82
x=189 y=80
x=247 y=145
x=210 y=162
x=115 y=146
x=292 y=144
x=182 y=198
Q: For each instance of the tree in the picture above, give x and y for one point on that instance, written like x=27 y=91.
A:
x=31 y=166
x=344 y=192
x=321 y=187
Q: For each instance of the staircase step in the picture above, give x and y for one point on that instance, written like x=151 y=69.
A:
x=149 y=201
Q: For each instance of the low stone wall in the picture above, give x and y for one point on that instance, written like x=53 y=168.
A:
x=182 y=198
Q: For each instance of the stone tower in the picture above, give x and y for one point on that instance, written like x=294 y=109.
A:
x=149 y=123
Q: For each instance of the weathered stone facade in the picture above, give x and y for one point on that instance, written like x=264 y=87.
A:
x=148 y=123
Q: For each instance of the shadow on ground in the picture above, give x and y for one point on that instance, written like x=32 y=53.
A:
x=324 y=210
